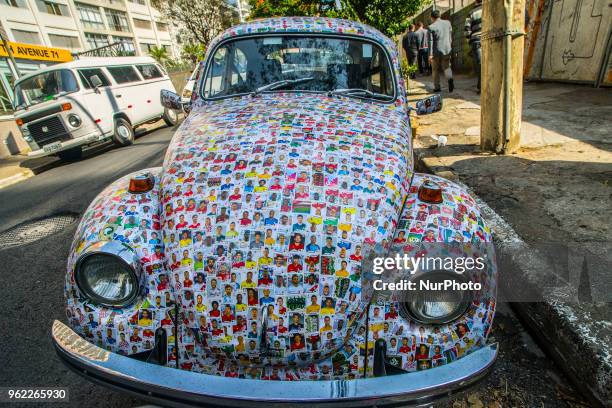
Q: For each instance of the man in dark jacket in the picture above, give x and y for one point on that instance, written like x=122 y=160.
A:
x=440 y=36
x=411 y=43
x=473 y=29
x=423 y=34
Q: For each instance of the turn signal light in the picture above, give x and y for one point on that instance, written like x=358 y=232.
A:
x=66 y=106
x=430 y=192
x=19 y=121
x=141 y=183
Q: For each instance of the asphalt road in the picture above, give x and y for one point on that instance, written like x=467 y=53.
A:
x=32 y=293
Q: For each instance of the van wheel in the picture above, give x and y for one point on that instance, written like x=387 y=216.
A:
x=170 y=117
x=124 y=133
x=71 y=154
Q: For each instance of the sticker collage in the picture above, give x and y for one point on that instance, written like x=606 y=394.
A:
x=252 y=242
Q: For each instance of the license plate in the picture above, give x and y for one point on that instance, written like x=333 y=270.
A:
x=52 y=147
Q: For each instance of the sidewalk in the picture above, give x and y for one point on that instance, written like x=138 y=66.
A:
x=555 y=189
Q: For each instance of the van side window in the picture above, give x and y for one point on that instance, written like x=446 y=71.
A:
x=124 y=74
x=149 y=71
x=86 y=74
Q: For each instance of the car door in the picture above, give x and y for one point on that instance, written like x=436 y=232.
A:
x=99 y=103
x=154 y=82
x=127 y=92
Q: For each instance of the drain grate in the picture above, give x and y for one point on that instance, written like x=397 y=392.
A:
x=31 y=231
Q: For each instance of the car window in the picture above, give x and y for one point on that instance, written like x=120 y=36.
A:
x=86 y=74
x=149 y=71
x=214 y=81
x=306 y=63
x=124 y=74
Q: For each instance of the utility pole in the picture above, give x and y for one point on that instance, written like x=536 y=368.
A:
x=501 y=98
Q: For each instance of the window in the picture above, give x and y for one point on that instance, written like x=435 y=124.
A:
x=45 y=87
x=52 y=8
x=90 y=16
x=15 y=3
x=161 y=26
x=86 y=74
x=138 y=23
x=311 y=63
x=146 y=48
x=124 y=74
x=117 y=20
x=141 y=2
x=28 y=37
x=96 y=40
x=149 y=71
x=64 y=41
x=128 y=45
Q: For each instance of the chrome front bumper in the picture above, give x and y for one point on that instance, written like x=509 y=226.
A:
x=173 y=387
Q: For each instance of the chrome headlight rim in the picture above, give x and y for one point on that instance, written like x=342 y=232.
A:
x=76 y=118
x=409 y=305
x=116 y=251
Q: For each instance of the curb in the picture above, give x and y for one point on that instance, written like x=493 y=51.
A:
x=560 y=321
x=16 y=178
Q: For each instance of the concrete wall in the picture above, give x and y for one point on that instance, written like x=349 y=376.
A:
x=567 y=40
x=11 y=141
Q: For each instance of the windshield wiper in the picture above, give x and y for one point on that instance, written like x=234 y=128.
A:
x=359 y=92
x=284 y=82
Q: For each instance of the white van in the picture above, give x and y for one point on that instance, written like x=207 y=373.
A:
x=61 y=108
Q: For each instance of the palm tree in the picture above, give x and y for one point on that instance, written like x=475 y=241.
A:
x=193 y=52
x=160 y=54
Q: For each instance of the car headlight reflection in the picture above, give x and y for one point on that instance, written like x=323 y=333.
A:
x=437 y=306
x=107 y=275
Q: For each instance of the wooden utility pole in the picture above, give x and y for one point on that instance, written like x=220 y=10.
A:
x=501 y=98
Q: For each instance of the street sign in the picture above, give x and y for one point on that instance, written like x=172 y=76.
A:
x=36 y=52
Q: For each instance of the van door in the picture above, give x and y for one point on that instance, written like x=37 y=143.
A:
x=154 y=83
x=99 y=104
x=127 y=92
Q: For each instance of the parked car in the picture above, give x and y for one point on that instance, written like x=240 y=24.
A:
x=64 y=107
x=244 y=259
x=190 y=89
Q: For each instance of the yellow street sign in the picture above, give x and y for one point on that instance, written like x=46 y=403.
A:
x=36 y=52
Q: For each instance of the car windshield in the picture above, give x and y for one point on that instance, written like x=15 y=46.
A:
x=44 y=87
x=304 y=63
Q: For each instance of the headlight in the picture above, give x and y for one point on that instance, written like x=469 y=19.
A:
x=187 y=93
x=106 y=274
x=74 y=120
x=438 y=306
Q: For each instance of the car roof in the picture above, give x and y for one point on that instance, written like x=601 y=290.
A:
x=92 y=62
x=304 y=25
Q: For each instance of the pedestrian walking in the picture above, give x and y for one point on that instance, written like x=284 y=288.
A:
x=473 y=30
x=440 y=35
x=410 y=43
x=423 y=35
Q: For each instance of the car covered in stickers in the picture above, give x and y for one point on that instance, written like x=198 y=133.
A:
x=236 y=273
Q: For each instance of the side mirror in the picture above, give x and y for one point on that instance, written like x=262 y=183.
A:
x=429 y=105
x=96 y=82
x=170 y=100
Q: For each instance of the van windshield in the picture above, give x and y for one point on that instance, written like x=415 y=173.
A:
x=44 y=87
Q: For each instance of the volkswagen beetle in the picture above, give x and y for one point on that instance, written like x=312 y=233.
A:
x=235 y=274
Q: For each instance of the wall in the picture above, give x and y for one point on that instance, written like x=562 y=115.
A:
x=567 y=40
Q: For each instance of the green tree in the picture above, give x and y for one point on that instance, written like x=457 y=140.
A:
x=197 y=21
x=193 y=52
x=389 y=16
x=160 y=54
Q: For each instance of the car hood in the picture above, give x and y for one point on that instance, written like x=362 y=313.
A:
x=268 y=205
